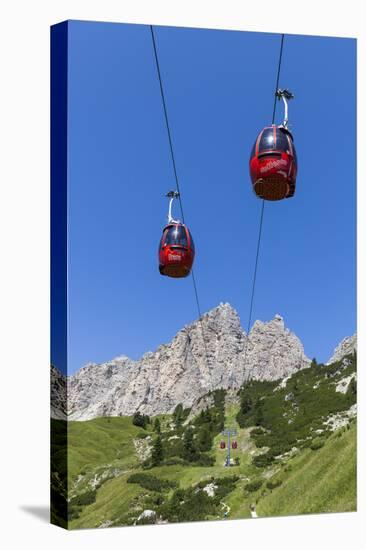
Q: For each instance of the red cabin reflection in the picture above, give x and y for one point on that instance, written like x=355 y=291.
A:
x=222 y=445
x=176 y=251
x=234 y=445
x=273 y=164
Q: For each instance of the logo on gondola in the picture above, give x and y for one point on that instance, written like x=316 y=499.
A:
x=273 y=164
x=174 y=257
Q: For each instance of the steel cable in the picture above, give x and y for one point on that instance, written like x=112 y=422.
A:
x=176 y=177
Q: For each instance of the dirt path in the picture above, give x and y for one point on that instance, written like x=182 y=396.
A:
x=253 y=511
x=225 y=507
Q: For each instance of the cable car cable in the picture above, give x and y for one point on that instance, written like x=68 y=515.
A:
x=262 y=212
x=255 y=267
x=176 y=175
x=262 y=209
x=273 y=160
x=278 y=79
x=166 y=120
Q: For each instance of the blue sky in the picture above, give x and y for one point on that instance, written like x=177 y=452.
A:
x=219 y=89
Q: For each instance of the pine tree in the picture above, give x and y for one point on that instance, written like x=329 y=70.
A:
x=157 y=426
x=157 y=454
x=139 y=420
x=189 y=448
x=353 y=387
x=246 y=404
x=258 y=415
x=204 y=439
x=206 y=416
x=178 y=415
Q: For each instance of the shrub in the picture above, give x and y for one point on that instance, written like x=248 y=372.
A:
x=272 y=410
x=188 y=505
x=104 y=480
x=156 y=499
x=174 y=460
x=140 y=420
x=72 y=513
x=317 y=443
x=273 y=484
x=83 y=499
x=151 y=483
x=262 y=460
x=257 y=431
x=205 y=460
x=253 y=485
x=224 y=486
x=194 y=504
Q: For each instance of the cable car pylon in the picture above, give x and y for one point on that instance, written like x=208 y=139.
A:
x=228 y=432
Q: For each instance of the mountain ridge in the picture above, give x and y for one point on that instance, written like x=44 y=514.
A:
x=211 y=353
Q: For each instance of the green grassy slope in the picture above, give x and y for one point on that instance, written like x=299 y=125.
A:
x=118 y=501
x=319 y=481
x=103 y=453
x=100 y=442
x=312 y=482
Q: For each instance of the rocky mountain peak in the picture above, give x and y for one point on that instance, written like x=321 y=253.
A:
x=347 y=346
x=208 y=354
x=58 y=394
x=274 y=351
x=224 y=316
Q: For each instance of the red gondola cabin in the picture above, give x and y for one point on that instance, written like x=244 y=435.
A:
x=273 y=164
x=222 y=445
x=176 y=251
x=234 y=445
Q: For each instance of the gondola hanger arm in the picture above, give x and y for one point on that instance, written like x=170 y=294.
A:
x=172 y=195
x=285 y=95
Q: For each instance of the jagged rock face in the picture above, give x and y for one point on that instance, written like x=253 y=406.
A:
x=58 y=394
x=274 y=351
x=206 y=355
x=347 y=346
x=204 y=402
x=94 y=389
